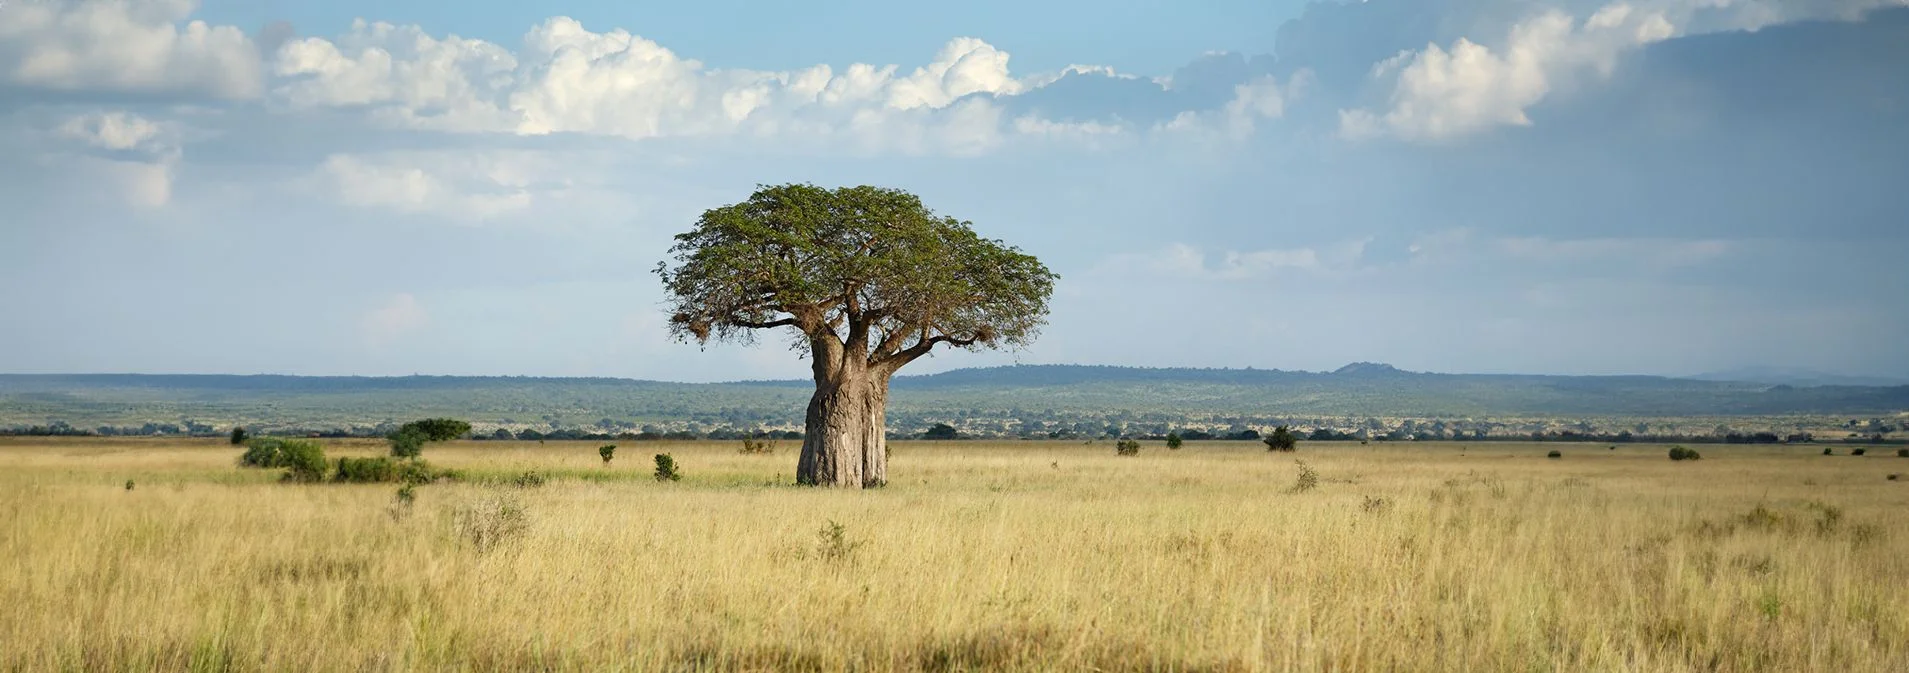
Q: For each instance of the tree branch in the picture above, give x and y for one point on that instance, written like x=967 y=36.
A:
x=761 y=325
x=903 y=357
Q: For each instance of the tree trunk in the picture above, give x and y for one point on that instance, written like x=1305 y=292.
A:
x=845 y=444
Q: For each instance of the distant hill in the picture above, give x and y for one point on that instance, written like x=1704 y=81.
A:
x=1790 y=376
x=1360 y=389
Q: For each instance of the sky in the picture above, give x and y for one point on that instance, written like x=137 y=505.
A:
x=485 y=187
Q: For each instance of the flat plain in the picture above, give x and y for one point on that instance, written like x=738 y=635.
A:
x=163 y=554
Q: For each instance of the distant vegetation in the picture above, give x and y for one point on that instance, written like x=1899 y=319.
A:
x=1360 y=402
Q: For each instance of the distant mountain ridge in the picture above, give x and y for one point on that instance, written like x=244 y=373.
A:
x=1358 y=389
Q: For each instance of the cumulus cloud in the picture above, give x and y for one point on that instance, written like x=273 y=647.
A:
x=1254 y=100
x=1444 y=93
x=126 y=154
x=118 y=130
x=569 y=79
x=126 y=46
x=1439 y=93
x=399 y=316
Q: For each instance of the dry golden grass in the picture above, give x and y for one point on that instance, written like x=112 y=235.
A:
x=1036 y=556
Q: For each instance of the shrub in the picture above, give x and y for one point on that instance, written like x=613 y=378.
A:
x=1554 y=454
x=304 y=461
x=757 y=447
x=1281 y=440
x=1681 y=453
x=1857 y=452
x=666 y=468
x=238 y=436
x=1902 y=453
x=832 y=543
x=1174 y=441
x=1127 y=447
x=129 y=482
x=1306 y=480
x=941 y=431
x=377 y=470
x=1829 y=451
x=262 y=452
x=407 y=442
x=607 y=451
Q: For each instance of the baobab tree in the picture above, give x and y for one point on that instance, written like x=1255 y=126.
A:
x=866 y=280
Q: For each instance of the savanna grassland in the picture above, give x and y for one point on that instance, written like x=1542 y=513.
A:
x=978 y=556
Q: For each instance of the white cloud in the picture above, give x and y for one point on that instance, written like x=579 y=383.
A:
x=120 y=131
x=462 y=186
x=1441 y=93
x=137 y=46
x=123 y=154
x=1254 y=100
x=568 y=79
x=398 y=316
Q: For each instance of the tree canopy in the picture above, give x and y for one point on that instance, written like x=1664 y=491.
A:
x=868 y=277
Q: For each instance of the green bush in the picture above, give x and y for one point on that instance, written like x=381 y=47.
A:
x=1858 y=452
x=304 y=461
x=666 y=468
x=261 y=452
x=407 y=442
x=1127 y=447
x=1554 y=454
x=1174 y=441
x=1902 y=453
x=1829 y=451
x=1281 y=440
x=1681 y=453
x=377 y=470
x=607 y=451
x=238 y=436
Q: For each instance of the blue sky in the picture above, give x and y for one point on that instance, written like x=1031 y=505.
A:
x=1547 y=186
x=1150 y=36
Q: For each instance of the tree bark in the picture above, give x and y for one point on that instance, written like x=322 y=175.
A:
x=846 y=444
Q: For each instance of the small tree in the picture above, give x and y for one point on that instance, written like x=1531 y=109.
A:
x=1281 y=440
x=1681 y=453
x=941 y=431
x=1127 y=447
x=1174 y=441
x=666 y=468
x=238 y=435
x=608 y=451
x=407 y=442
x=439 y=429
